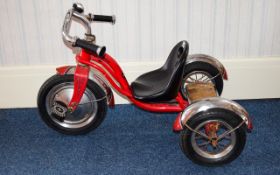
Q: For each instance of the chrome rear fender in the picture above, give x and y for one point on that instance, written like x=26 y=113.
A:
x=213 y=103
x=210 y=60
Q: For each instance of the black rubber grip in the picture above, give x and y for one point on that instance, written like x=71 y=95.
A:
x=98 y=50
x=76 y=8
x=103 y=18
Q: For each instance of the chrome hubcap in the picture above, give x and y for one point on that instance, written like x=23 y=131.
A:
x=59 y=97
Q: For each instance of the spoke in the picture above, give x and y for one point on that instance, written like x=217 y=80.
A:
x=222 y=145
x=192 y=78
x=226 y=133
x=228 y=137
x=197 y=137
x=230 y=131
x=207 y=79
x=197 y=132
x=201 y=77
x=203 y=144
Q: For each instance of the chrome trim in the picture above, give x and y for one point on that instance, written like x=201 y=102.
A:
x=114 y=19
x=80 y=18
x=92 y=74
x=208 y=59
x=214 y=103
x=80 y=6
x=66 y=28
x=84 y=113
x=99 y=49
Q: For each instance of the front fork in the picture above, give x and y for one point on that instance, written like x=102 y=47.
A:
x=80 y=83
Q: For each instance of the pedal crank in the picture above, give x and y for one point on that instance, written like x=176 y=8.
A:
x=59 y=110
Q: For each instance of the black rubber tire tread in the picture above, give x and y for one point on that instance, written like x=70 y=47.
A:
x=206 y=67
x=92 y=86
x=227 y=116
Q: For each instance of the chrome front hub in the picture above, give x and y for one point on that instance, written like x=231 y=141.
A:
x=58 y=99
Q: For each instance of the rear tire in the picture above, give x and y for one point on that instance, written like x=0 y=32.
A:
x=205 y=69
x=198 y=149
x=87 y=117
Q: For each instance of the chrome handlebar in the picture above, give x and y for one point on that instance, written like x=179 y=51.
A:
x=67 y=24
x=77 y=13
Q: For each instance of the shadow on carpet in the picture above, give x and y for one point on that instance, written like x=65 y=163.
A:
x=129 y=141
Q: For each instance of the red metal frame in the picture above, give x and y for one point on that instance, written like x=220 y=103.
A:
x=110 y=69
x=177 y=127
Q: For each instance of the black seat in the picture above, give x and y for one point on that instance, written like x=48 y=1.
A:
x=163 y=84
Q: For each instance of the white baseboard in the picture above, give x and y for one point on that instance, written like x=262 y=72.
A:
x=248 y=79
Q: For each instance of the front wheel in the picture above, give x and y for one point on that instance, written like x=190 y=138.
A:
x=54 y=96
x=210 y=144
x=201 y=72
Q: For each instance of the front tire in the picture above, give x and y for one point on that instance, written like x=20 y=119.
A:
x=54 y=96
x=214 y=151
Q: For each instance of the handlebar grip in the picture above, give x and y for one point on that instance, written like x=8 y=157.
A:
x=98 y=50
x=104 y=18
x=78 y=7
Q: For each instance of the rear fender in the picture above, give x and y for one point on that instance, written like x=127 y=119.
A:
x=94 y=76
x=210 y=104
x=210 y=60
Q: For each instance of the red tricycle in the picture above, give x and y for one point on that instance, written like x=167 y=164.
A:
x=75 y=100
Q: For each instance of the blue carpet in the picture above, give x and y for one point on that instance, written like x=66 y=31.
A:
x=129 y=141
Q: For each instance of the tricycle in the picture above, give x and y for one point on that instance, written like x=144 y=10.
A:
x=75 y=100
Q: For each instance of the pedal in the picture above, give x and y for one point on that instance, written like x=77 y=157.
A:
x=59 y=110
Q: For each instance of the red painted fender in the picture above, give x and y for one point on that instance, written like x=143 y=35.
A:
x=177 y=126
x=63 y=69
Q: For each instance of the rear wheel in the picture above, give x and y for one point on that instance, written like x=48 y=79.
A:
x=54 y=96
x=210 y=145
x=201 y=72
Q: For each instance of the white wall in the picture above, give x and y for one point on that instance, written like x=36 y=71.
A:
x=145 y=29
x=243 y=34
